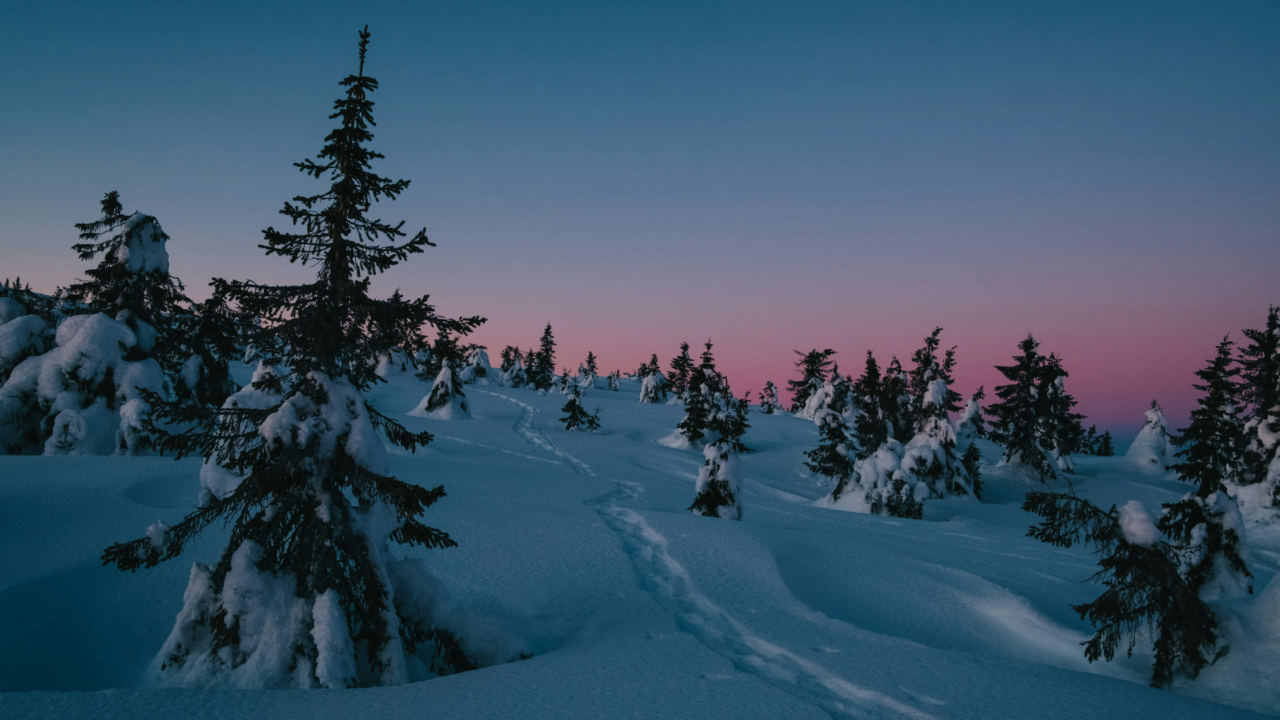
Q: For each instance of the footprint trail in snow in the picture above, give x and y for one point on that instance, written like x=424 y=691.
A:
x=670 y=585
x=524 y=427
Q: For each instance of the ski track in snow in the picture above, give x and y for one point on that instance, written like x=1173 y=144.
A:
x=670 y=585
x=524 y=427
x=491 y=447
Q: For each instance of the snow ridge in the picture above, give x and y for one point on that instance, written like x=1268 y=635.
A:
x=524 y=428
x=669 y=584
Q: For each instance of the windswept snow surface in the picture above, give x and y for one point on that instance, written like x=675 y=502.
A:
x=579 y=547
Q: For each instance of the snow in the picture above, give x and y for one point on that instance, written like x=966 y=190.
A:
x=143 y=249
x=1152 y=450
x=1136 y=524
x=20 y=338
x=578 y=549
x=10 y=310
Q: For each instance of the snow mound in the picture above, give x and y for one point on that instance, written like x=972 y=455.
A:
x=1152 y=451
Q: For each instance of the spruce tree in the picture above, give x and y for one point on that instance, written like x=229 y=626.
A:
x=1090 y=444
x=871 y=427
x=587 y=375
x=1061 y=430
x=930 y=455
x=1146 y=595
x=895 y=402
x=1210 y=450
x=972 y=462
x=615 y=378
x=509 y=355
x=972 y=425
x=834 y=457
x=769 y=399
x=542 y=370
x=1152 y=451
x=712 y=413
x=312 y=509
x=813 y=367
x=681 y=369
x=716 y=492
x=211 y=333
x=1105 y=446
x=1018 y=414
x=577 y=418
x=132 y=282
x=1260 y=395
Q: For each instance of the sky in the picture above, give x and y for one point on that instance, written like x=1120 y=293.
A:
x=772 y=176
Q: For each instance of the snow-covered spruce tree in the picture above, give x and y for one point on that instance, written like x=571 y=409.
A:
x=307 y=593
x=972 y=462
x=1061 y=430
x=514 y=376
x=972 y=425
x=1018 y=413
x=446 y=401
x=927 y=369
x=1258 y=487
x=475 y=365
x=1208 y=521
x=211 y=334
x=542 y=369
x=712 y=413
x=576 y=417
x=33 y=303
x=1152 y=451
x=769 y=403
x=813 y=367
x=870 y=427
x=22 y=335
x=589 y=372
x=1105 y=446
x=681 y=369
x=653 y=388
x=895 y=401
x=716 y=493
x=1146 y=594
x=931 y=456
x=834 y=457
x=85 y=396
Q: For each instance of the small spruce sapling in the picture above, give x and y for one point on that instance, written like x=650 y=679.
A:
x=716 y=493
x=813 y=367
x=769 y=404
x=577 y=418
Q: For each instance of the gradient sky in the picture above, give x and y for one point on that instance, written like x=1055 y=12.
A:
x=776 y=176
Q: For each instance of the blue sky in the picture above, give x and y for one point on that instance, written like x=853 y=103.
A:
x=773 y=175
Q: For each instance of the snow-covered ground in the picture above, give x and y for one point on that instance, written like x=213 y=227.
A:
x=578 y=550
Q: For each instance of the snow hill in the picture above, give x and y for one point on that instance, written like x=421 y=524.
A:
x=576 y=549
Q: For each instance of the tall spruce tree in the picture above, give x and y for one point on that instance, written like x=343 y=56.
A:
x=834 y=458
x=871 y=427
x=1260 y=397
x=542 y=369
x=312 y=508
x=1211 y=454
x=681 y=369
x=1019 y=413
x=813 y=367
x=895 y=402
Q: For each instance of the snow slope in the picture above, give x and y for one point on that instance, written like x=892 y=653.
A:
x=578 y=547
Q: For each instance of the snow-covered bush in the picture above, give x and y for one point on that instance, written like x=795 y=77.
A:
x=446 y=401
x=576 y=417
x=68 y=400
x=716 y=492
x=476 y=368
x=769 y=403
x=1152 y=451
x=21 y=336
x=653 y=388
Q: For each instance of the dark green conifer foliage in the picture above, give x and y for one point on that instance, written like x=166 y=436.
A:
x=614 y=378
x=325 y=337
x=1105 y=446
x=127 y=281
x=834 y=457
x=211 y=332
x=813 y=367
x=1091 y=440
x=542 y=369
x=870 y=427
x=577 y=418
x=1210 y=448
x=927 y=368
x=769 y=399
x=509 y=356
x=1260 y=394
x=972 y=462
x=681 y=369
x=1060 y=427
x=43 y=306
x=590 y=365
x=711 y=410
x=1144 y=596
x=1018 y=414
x=895 y=402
